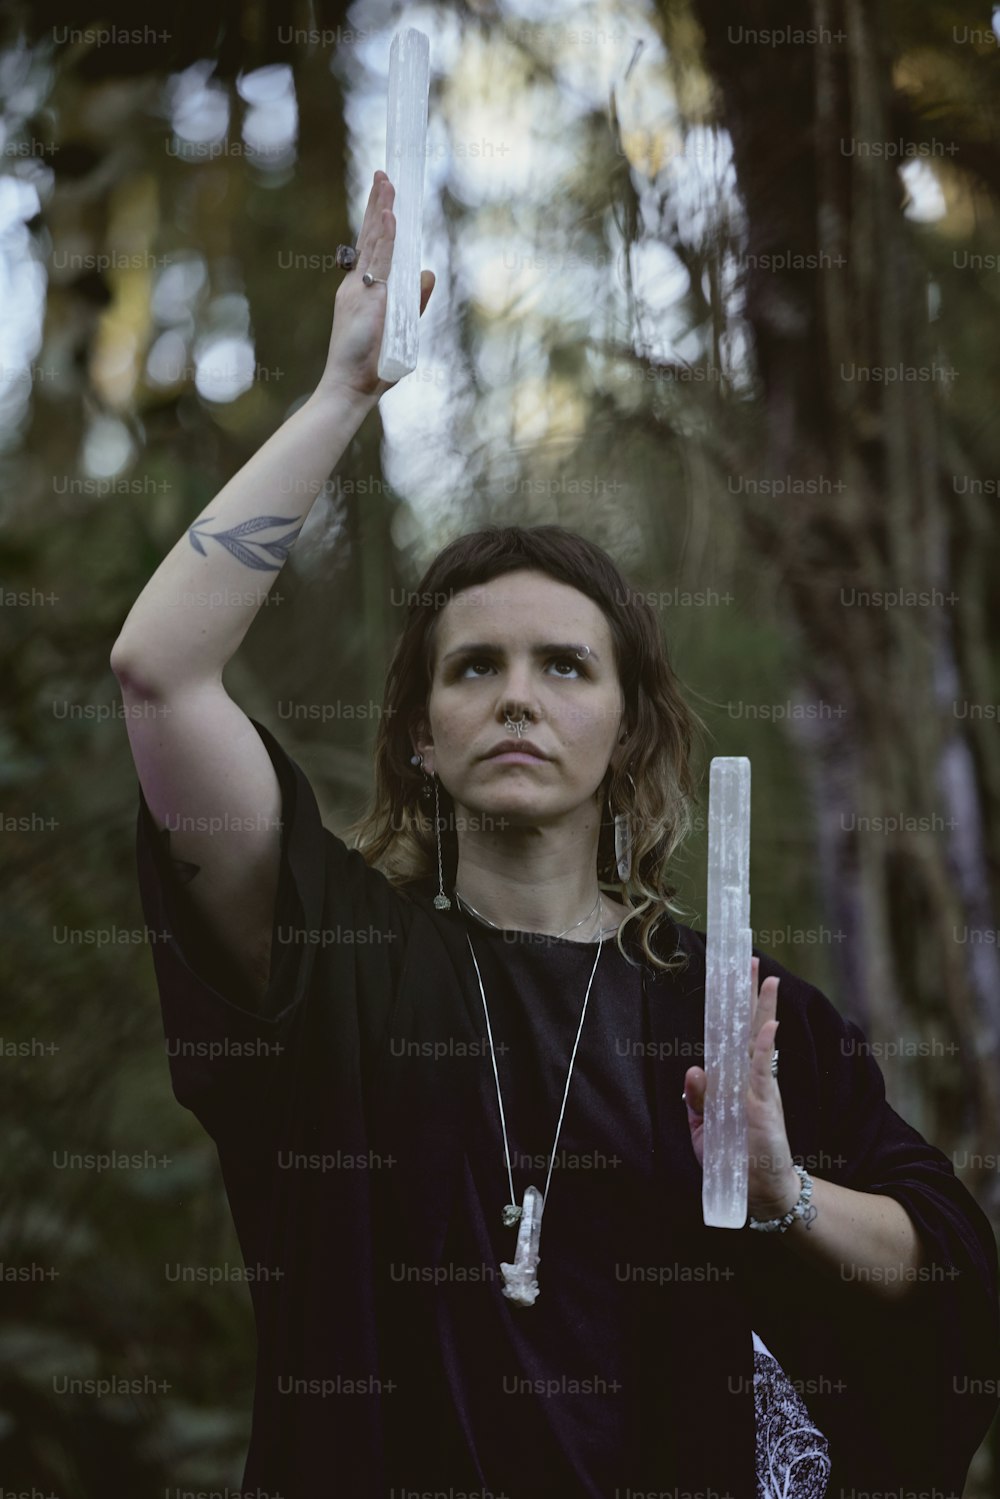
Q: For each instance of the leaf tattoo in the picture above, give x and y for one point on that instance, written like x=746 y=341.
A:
x=233 y=542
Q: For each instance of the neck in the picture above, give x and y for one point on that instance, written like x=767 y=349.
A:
x=533 y=880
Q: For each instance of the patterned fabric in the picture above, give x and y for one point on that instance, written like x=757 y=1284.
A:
x=792 y=1458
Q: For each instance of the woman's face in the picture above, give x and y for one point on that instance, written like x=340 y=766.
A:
x=510 y=645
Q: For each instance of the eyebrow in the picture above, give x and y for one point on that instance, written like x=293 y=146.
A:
x=552 y=648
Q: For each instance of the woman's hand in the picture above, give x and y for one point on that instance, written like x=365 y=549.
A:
x=359 y=310
x=773 y=1184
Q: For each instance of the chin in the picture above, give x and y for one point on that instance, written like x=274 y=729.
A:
x=517 y=801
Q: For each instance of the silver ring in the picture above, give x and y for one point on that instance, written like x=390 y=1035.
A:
x=774 y=1064
x=346 y=257
x=370 y=280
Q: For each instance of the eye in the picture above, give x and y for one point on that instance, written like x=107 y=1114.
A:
x=568 y=661
x=572 y=661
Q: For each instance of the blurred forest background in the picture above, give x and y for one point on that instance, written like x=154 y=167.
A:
x=680 y=248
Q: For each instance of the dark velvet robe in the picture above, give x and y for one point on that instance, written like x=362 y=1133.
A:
x=903 y=1393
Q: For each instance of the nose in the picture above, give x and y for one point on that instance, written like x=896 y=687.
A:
x=516 y=695
x=516 y=707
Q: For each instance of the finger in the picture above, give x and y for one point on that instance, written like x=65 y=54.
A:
x=367 y=235
x=767 y=1009
x=427 y=283
x=765 y=1006
x=761 y=1076
x=754 y=990
x=381 y=258
x=695 y=1080
x=380 y=197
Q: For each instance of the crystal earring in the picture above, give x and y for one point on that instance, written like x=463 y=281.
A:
x=623 y=841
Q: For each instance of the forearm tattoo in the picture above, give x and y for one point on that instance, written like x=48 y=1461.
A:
x=808 y=1215
x=239 y=540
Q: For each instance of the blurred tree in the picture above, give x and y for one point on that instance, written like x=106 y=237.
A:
x=856 y=371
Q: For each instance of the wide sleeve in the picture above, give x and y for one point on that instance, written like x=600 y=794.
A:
x=953 y=1307
x=927 y=1366
x=235 y=1060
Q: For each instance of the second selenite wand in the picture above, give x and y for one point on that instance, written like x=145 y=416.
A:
x=728 y=995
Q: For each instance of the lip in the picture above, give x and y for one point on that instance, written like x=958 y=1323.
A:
x=515 y=753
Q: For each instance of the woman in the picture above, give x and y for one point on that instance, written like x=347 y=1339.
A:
x=490 y=994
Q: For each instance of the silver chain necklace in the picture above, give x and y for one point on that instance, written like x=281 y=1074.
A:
x=497 y=928
x=520 y=1279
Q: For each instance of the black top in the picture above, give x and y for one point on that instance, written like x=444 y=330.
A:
x=547 y=1397
x=356 y=1120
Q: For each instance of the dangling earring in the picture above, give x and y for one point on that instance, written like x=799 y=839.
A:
x=425 y=790
x=441 y=901
x=623 y=841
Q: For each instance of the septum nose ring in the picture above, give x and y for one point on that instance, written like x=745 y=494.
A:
x=519 y=725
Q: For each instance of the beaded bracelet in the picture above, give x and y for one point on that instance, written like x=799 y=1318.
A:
x=781 y=1225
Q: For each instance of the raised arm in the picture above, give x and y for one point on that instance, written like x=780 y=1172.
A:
x=204 y=771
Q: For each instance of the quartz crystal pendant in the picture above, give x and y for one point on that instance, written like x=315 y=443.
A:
x=442 y=903
x=520 y=1283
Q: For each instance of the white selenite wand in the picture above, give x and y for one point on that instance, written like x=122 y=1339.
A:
x=405 y=149
x=728 y=995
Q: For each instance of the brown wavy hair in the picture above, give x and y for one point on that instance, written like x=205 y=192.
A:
x=397 y=835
